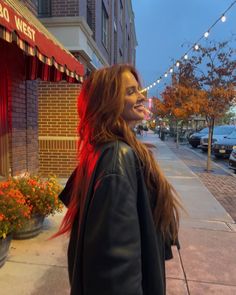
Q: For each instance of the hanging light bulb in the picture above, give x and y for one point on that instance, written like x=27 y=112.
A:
x=166 y=75
x=158 y=81
x=171 y=70
x=206 y=34
x=150 y=86
x=185 y=56
x=177 y=64
x=154 y=84
x=223 y=18
x=196 y=47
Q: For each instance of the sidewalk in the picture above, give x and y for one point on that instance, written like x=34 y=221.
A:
x=206 y=263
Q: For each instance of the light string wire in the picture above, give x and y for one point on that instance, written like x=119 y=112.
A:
x=194 y=47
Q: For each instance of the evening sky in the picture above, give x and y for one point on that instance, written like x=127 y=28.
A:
x=162 y=26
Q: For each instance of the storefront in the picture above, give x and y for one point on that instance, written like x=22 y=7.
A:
x=28 y=52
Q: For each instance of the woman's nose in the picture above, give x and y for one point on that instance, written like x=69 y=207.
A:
x=141 y=95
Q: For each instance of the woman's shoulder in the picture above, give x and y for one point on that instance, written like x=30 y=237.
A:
x=117 y=157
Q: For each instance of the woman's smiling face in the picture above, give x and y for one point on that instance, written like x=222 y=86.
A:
x=134 y=109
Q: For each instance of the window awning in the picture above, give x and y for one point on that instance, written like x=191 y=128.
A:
x=18 y=24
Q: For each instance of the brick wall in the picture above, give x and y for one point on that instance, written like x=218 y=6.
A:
x=57 y=127
x=22 y=112
x=64 y=8
x=32 y=126
x=18 y=113
x=91 y=8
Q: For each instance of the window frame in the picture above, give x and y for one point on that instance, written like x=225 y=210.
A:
x=44 y=8
x=105 y=27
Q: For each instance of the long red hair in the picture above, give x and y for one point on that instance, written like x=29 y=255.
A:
x=100 y=105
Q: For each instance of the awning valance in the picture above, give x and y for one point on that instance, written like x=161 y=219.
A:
x=18 y=24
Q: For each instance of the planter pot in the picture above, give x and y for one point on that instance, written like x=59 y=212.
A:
x=31 y=229
x=4 y=249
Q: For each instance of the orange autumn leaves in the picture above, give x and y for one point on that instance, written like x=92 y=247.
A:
x=13 y=209
x=181 y=102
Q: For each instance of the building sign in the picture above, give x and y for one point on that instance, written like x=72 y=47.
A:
x=30 y=31
x=10 y=19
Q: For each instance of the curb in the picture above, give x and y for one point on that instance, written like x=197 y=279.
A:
x=224 y=169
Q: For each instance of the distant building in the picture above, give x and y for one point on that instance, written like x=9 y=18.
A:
x=98 y=33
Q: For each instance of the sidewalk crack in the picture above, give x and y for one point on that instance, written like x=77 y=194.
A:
x=185 y=276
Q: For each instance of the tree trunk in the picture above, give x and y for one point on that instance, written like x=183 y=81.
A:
x=211 y=129
x=177 y=135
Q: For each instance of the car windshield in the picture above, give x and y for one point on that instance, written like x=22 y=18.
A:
x=204 y=130
x=232 y=135
x=223 y=130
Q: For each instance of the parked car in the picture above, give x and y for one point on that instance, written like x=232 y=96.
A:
x=194 y=139
x=223 y=147
x=232 y=160
x=219 y=132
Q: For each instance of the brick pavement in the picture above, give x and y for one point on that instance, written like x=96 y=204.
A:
x=221 y=184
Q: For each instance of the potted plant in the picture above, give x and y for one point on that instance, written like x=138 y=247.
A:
x=14 y=214
x=41 y=196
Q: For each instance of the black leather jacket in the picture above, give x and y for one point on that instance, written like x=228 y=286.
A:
x=119 y=251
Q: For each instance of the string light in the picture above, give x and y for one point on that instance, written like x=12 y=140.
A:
x=222 y=18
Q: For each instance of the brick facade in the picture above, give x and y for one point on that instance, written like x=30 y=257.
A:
x=57 y=127
x=22 y=118
x=57 y=102
x=64 y=8
x=122 y=43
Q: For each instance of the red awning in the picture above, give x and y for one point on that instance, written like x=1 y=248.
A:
x=18 y=24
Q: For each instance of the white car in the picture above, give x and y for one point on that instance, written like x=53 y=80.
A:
x=219 y=132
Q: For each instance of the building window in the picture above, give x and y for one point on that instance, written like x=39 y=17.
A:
x=104 y=27
x=116 y=11
x=44 y=8
x=89 y=17
x=115 y=47
x=121 y=13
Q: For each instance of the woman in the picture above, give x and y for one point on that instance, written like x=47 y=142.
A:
x=122 y=213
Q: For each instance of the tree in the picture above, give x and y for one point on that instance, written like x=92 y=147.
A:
x=180 y=100
x=215 y=69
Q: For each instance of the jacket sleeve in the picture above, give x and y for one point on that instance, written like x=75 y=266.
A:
x=65 y=194
x=111 y=250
